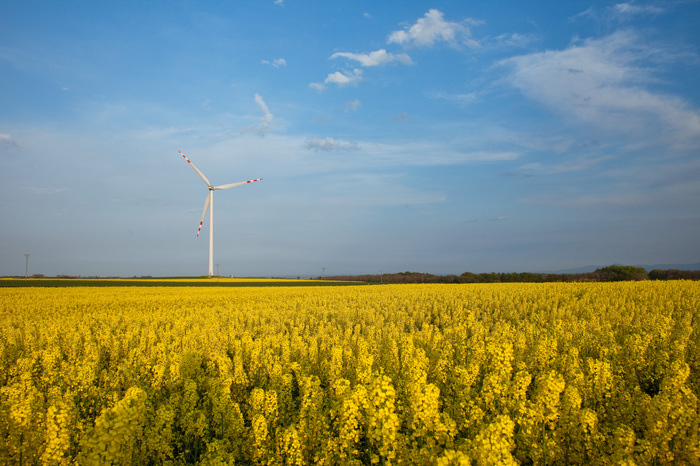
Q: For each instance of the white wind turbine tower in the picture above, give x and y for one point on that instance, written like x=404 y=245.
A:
x=210 y=203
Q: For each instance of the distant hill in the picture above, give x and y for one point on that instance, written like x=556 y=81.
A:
x=584 y=269
x=649 y=268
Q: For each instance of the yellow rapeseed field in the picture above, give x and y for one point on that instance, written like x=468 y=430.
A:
x=575 y=373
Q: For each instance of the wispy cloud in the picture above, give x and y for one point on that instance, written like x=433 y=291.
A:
x=618 y=12
x=515 y=40
x=376 y=58
x=330 y=145
x=345 y=79
x=352 y=105
x=267 y=116
x=461 y=99
x=265 y=124
x=568 y=166
x=433 y=28
x=432 y=154
x=588 y=13
x=627 y=9
x=276 y=62
x=641 y=186
x=601 y=84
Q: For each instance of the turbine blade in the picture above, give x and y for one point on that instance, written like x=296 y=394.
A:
x=226 y=186
x=197 y=170
x=204 y=213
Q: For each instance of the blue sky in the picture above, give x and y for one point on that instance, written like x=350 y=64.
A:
x=438 y=137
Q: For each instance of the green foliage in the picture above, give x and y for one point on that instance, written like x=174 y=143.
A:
x=673 y=274
x=622 y=272
x=604 y=274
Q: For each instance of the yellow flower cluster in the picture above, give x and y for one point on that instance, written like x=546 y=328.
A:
x=575 y=373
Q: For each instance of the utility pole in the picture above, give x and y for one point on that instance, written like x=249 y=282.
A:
x=26 y=270
x=217 y=270
x=323 y=274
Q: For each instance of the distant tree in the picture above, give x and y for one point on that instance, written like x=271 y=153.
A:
x=489 y=277
x=604 y=274
x=673 y=274
x=622 y=272
x=657 y=274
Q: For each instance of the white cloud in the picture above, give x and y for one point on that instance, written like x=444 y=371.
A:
x=378 y=57
x=276 y=62
x=461 y=99
x=630 y=9
x=330 y=145
x=515 y=40
x=266 y=121
x=601 y=84
x=267 y=116
x=344 y=79
x=620 y=11
x=433 y=28
x=318 y=86
x=279 y=2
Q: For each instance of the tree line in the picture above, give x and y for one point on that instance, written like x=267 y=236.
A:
x=611 y=273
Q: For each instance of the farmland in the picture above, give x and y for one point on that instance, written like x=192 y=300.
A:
x=550 y=373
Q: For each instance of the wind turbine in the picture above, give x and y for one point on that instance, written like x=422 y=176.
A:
x=210 y=203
